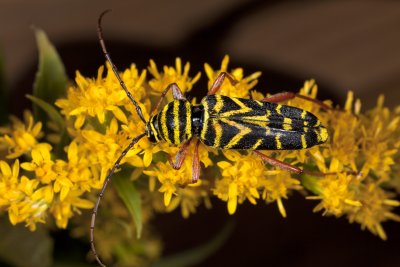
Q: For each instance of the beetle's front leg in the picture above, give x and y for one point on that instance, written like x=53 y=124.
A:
x=176 y=92
x=180 y=156
x=218 y=82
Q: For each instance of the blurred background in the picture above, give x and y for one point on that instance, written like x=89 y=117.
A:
x=344 y=45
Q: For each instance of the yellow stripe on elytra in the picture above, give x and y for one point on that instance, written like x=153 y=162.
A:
x=243 y=109
x=257 y=144
x=219 y=104
x=278 y=109
x=176 y=121
x=259 y=102
x=205 y=121
x=268 y=113
x=242 y=132
x=278 y=142
x=188 y=129
x=258 y=123
x=303 y=141
x=218 y=134
x=287 y=124
x=164 y=124
x=303 y=114
x=255 y=118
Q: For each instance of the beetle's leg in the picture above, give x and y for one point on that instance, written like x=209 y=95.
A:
x=196 y=163
x=180 y=156
x=291 y=168
x=176 y=92
x=279 y=97
x=218 y=82
x=278 y=163
x=321 y=174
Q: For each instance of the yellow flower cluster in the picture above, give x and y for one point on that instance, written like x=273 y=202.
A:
x=101 y=121
x=369 y=144
x=53 y=187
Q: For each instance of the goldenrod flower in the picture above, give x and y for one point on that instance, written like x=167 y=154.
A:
x=361 y=158
x=171 y=75
x=376 y=207
x=95 y=98
x=19 y=198
x=240 y=179
x=22 y=137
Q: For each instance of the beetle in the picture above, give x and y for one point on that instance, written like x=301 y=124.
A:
x=221 y=122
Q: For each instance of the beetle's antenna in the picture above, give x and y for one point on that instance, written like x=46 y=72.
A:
x=100 y=196
x=114 y=68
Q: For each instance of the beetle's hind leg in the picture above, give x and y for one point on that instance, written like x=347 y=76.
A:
x=280 y=97
x=294 y=169
x=278 y=163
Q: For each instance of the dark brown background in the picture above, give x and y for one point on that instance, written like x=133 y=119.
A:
x=343 y=44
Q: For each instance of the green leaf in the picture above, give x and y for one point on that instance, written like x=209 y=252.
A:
x=56 y=117
x=4 y=92
x=64 y=141
x=131 y=197
x=51 y=79
x=51 y=111
x=310 y=183
x=20 y=247
x=197 y=255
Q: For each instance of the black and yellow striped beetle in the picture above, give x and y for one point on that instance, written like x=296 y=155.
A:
x=221 y=122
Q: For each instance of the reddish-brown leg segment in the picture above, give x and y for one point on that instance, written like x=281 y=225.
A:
x=218 y=82
x=180 y=156
x=176 y=92
x=294 y=169
x=196 y=163
x=276 y=98
x=278 y=163
x=321 y=174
